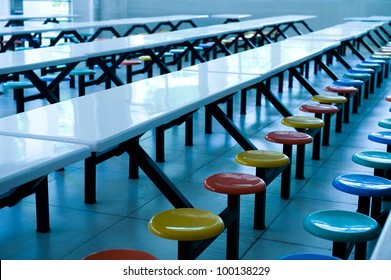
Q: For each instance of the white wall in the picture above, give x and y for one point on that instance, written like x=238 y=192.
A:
x=328 y=12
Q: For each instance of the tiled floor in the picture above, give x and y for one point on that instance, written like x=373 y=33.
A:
x=119 y=218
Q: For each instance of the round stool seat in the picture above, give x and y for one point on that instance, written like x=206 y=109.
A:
x=342 y=226
x=289 y=137
x=329 y=98
x=388 y=98
x=233 y=183
x=82 y=71
x=360 y=70
x=375 y=66
x=348 y=82
x=308 y=257
x=145 y=58
x=319 y=108
x=303 y=122
x=120 y=254
x=384 y=51
x=380 y=55
x=385 y=123
x=380 y=62
x=357 y=76
x=383 y=137
x=18 y=85
x=341 y=89
x=186 y=224
x=130 y=62
x=374 y=159
x=262 y=158
x=363 y=185
x=206 y=45
x=50 y=78
x=177 y=51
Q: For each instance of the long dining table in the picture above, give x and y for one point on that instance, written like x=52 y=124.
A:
x=121 y=115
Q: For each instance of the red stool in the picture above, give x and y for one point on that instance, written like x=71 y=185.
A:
x=347 y=92
x=322 y=111
x=120 y=254
x=234 y=185
x=288 y=139
x=388 y=98
x=129 y=63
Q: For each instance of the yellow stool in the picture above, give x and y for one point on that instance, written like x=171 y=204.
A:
x=187 y=225
x=336 y=100
x=146 y=59
x=268 y=164
x=309 y=125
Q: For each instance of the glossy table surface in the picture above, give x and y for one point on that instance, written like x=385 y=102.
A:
x=23 y=160
x=13 y=62
x=267 y=60
x=369 y=19
x=108 y=118
x=66 y=26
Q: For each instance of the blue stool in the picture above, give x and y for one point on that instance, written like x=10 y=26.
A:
x=308 y=257
x=383 y=137
x=369 y=189
x=345 y=228
x=377 y=68
x=364 y=77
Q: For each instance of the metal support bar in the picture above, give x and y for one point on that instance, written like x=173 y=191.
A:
x=152 y=170
x=303 y=81
x=230 y=127
x=284 y=111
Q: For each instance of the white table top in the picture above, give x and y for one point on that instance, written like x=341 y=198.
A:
x=267 y=60
x=23 y=160
x=105 y=119
x=369 y=19
x=231 y=16
x=27 y=17
x=382 y=249
x=67 y=26
x=13 y=62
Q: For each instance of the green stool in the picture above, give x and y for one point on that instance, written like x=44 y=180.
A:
x=80 y=73
x=378 y=160
x=18 y=87
x=345 y=228
x=385 y=123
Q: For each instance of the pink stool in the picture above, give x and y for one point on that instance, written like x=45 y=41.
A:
x=322 y=111
x=288 y=139
x=120 y=254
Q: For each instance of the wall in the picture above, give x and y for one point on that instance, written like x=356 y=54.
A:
x=329 y=12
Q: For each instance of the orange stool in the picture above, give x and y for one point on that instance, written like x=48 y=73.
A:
x=234 y=185
x=120 y=254
x=346 y=92
x=322 y=111
x=289 y=138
